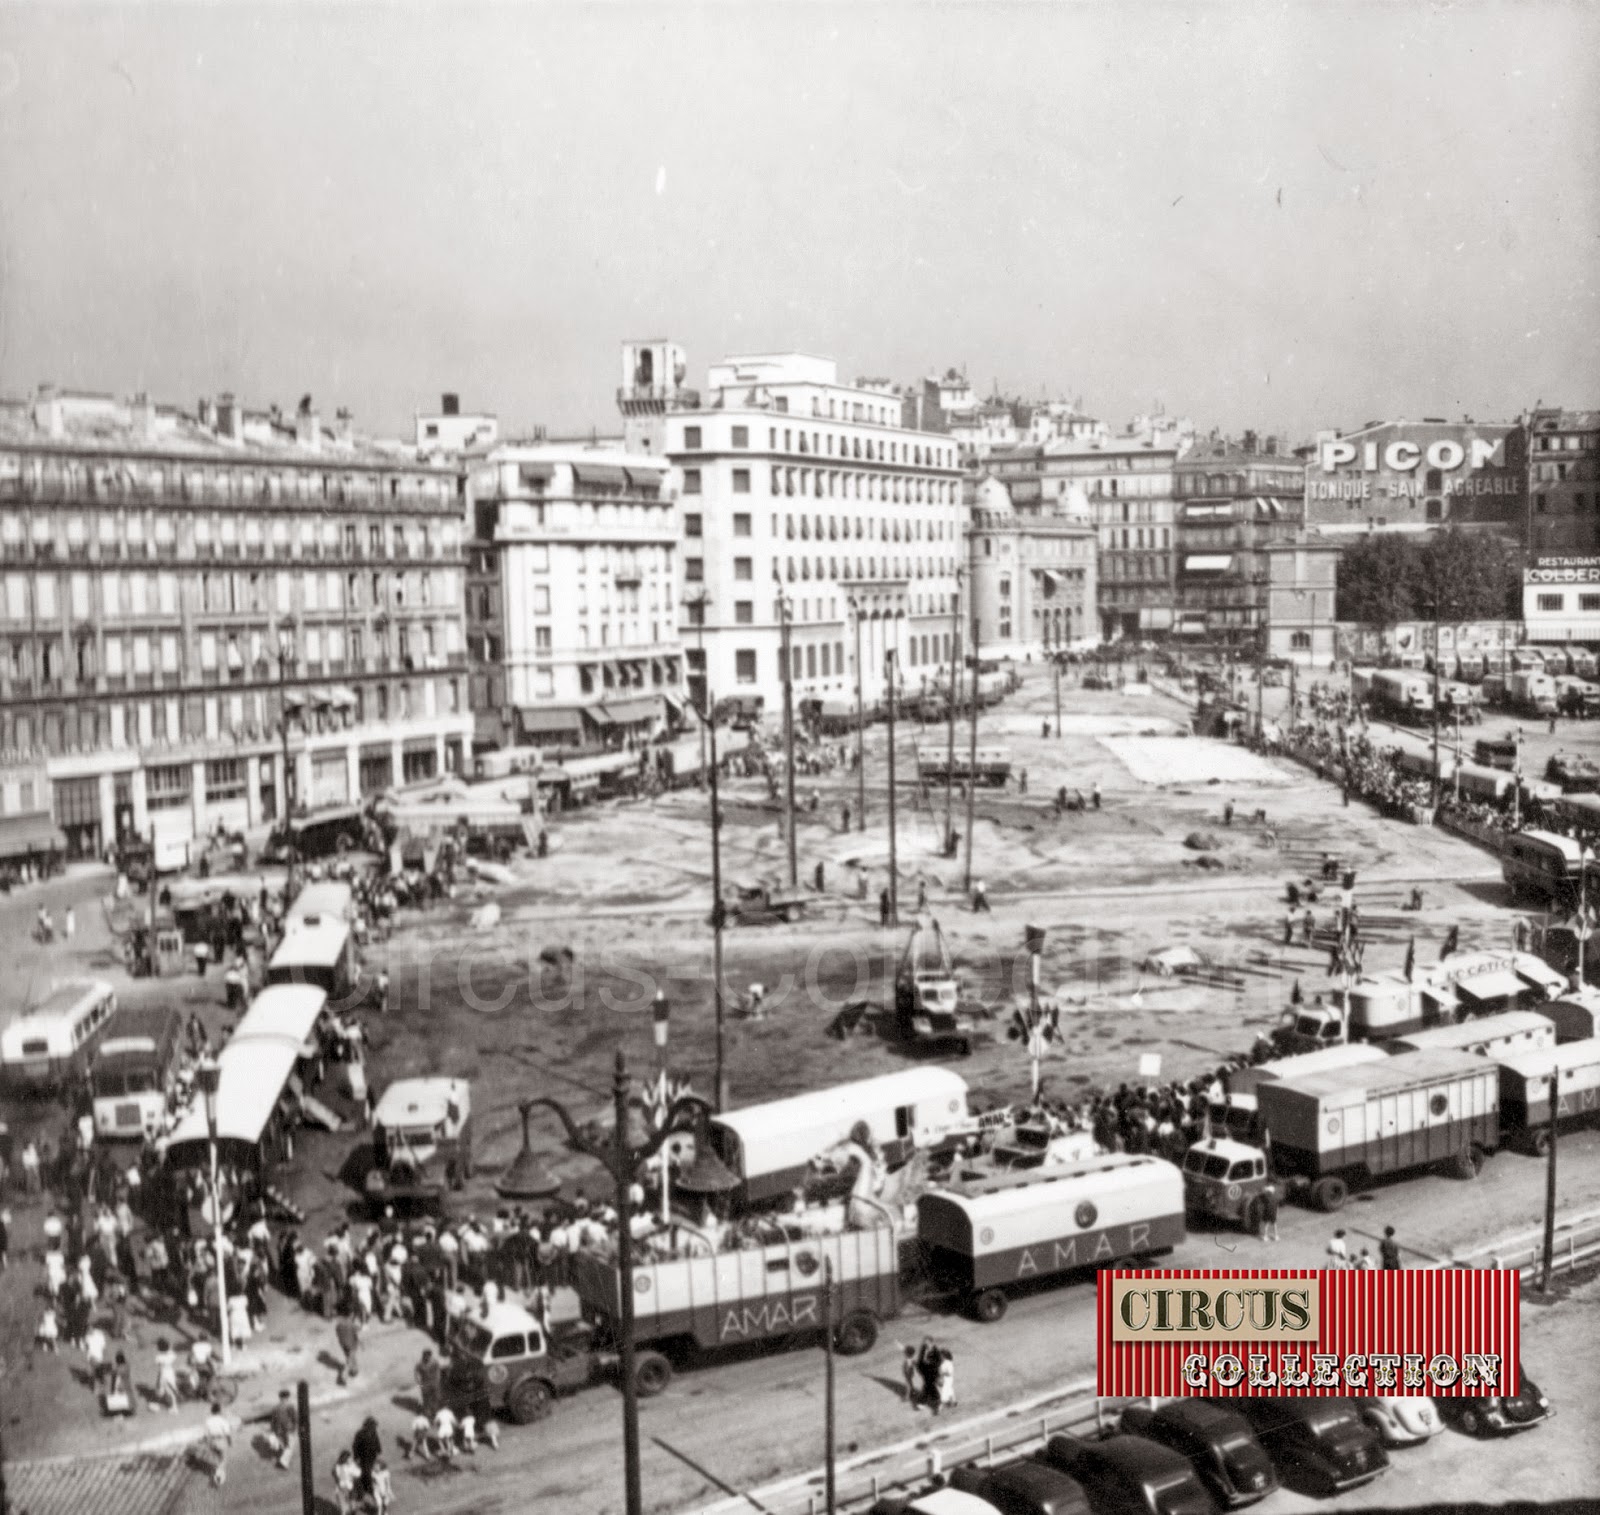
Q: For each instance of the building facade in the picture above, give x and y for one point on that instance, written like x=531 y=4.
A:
x=572 y=600
x=1031 y=571
x=808 y=502
x=1127 y=481
x=1564 y=482
x=1561 y=598
x=181 y=590
x=1417 y=476
x=1231 y=500
x=1302 y=579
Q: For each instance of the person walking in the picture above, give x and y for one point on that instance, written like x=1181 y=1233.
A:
x=218 y=1436
x=1094 y=796
x=912 y=1375
x=883 y=907
x=980 y=899
x=70 y=923
x=428 y=1375
x=1269 y=1213
x=1308 y=927
x=367 y=1448
x=348 y=1334
x=1338 y=1251
x=1389 y=1251
x=282 y=1424
x=345 y=1474
x=1227 y=813
x=167 y=1375
x=1288 y=926
x=945 y=1382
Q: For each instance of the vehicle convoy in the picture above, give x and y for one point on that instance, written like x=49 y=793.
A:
x=1236 y=1114
x=980 y=1241
x=927 y=995
x=1578 y=697
x=1319 y=1446
x=1401 y=694
x=506 y=1363
x=1215 y=1441
x=1532 y=692
x=1487 y=1035
x=758 y=904
x=421 y=1143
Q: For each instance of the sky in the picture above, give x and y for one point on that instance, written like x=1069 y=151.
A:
x=1283 y=217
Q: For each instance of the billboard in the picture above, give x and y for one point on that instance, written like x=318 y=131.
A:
x=1547 y=569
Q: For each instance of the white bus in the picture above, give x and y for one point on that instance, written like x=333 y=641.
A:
x=330 y=897
x=317 y=950
x=132 y=1074
x=52 y=1044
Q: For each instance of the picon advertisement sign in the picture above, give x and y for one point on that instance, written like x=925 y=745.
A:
x=1319 y=1333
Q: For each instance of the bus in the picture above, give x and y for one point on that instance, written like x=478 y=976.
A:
x=133 y=1073
x=317 y=950
x=51 y=1045
x=322 y=833
x=1544 y=865
x=993 y=767
x=332 y=898
x=1401 y=694
x=296 y=1011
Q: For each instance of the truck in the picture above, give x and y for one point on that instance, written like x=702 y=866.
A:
x=421 y=1143
x=1335 y=1131
x=927 y=994
x=1533 y=692
x=1577 y=697
x=505 y=1363
x=1236 y=1114
x=1574 y=772
x=992 y=767
x=1487 y=1035
x=1401 y=694
x=759 y=904
x=981 y=1241
x=1525 y=1091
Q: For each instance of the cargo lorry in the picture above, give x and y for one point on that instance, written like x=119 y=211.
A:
x=1533 y=693
x=1525 y=1092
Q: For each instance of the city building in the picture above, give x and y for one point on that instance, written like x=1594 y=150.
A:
x=184 y=595
x=1231 y=500
x=1302 y=578
x=1418 y=475
x=1564 y=481
x=450 y=434
x=572 y=597
x=1561 y=598
x=805 y=504
x=1032 y=570
x=1128 y=482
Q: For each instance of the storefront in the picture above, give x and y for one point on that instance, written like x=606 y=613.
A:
x=376 y=767
x=77 y=813
x=330 y=778
x=419 y=760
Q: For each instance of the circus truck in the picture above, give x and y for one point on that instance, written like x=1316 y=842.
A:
x=1525 y=1092
x=984 y=1241
x=1235 y=1114
x=695 y=1301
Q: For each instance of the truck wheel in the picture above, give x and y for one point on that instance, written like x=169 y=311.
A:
x=651 y=1373
x=530 y=1401
x=466 y=1166
x=856 y=1334
x=1541 y=1142
x=1471 y=1421
x=791 y=913
x=990 y=1306
x=964 y=1047
x=1329 y=1193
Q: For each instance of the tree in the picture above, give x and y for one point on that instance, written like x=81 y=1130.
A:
x=1377 y=580
x=1469 y=576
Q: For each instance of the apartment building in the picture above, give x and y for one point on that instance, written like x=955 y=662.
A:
x=805 y=501
x=181 y=590
x=572 y=599
x=1564 y=481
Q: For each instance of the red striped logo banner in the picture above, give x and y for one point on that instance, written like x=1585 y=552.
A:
x=1308 y=1332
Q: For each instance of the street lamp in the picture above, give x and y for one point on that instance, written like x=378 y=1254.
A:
x=622 y=1160
x=209 y=1076
x=894 y=862
x=861 y=725
x=708 y=728
x=286 y=662
x=950 y=745
x=785 y=609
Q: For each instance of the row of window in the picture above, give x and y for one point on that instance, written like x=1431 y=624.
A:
x=1138 y=567
x=247 y=716
x=844 y=570
x=831 y=483
x=168 y=595
x=834 y=528
x=826 y=660
x=1587 y=442
x=835 y=445
x=1293 y=483
x=1554 y=604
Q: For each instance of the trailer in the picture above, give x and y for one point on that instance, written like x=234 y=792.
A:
x=1237 y=1112
x=1533 y=692
x=1525 y=1092
x=992 y=767
x=770 y=1147
x=980 y=1241
x=1575 y=1016
x=1401 y=694
x=1491 y=1036
x=1334 y=1131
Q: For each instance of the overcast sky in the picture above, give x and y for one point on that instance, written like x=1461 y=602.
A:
x=1278 y=216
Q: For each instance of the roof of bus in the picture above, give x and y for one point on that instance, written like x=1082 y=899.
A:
x=1581 y=801
x=314 y=941
x=1345 y=1055
x=1069 y=1182
x=253 y=1076
x=140 y=1033
x=1424 y=1067
x=326 y=897
x=285 y=1011
x=864 y=1095
x=1567 y=847
x=63 y=1002
x=419 y=1101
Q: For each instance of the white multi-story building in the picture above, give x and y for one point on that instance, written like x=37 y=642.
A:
x=572 y=599
x=802 y=498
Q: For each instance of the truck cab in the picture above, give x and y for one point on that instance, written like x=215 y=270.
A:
x=925 y=1010
x=1308 y=1028
x=503 y=1363
x=421 y=1142
x=1223 y=1180
x=753 y=904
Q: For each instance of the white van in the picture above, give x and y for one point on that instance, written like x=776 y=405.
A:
x=52 y=1044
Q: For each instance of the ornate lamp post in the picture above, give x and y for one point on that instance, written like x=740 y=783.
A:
x=209 y=1076
x=623 y=1160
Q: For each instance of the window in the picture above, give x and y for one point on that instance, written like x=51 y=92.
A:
x=741 y=436
x=541 y=599
x=225 y=779
x=541 y=639
x=742 y=569
x=1589 y=602
x=167 y=788
x=743 y=613
x=1552 y=601
x=694 y=525
x=694 y=570
x=744 y=665
x=691 y=481
x=1300 y=641
x=1538 y=503
x=691 y=437
x=741 y=524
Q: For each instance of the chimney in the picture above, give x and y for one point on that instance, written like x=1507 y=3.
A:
x=230 y=418
x=450 y=404
x=47 y=411
x=1271 y=447
x=307 y=425
x=343 y=425
x=143 y=414
x=206 y=412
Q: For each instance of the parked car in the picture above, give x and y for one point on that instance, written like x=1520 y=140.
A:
x=1400 y=1419
x=935 y=1502
x=1097 y=681
x=1129 y=1475
x=1216 y=1442
x=757 y=904
x=1023 y=1488
x=1496 y=1416
x=1319 y=1446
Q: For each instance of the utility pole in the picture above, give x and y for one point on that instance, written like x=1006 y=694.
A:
x=1516 y=784
x=830 y=1494
x=1055 y=658
x=1550 y=1187
x=861 y=727
x=950 y=747
x=788 y=735
x=894 y=861
x=972 y=744
x=1436 y=658
x=285 y=659
x=708 y=733
x=308 y=1486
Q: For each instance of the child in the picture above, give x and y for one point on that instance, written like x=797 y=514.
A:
x=421 y=1435
x=218 y=1433
x=444 y=1432
x=491 y=1433
x=345 y=1473
x=469 y=1433
x=166 y=1374
x=382 y=1487
x=49 y=1332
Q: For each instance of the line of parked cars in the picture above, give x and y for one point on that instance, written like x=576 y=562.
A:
x=1197 y=1456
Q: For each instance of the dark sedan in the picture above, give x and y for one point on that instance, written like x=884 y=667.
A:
x=1216 y=1442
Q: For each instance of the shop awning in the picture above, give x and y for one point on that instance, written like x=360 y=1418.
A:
x=294 y=697
x=1222 y=511
x=34 y=832
x=675 y=703
x=1208 y=562
x=603 y=475
x=626 y=712
x=535 y=475
x=1491 y=986
x=1268 y=510
x=320 y=696
x=549 y=720
x=343 y=697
